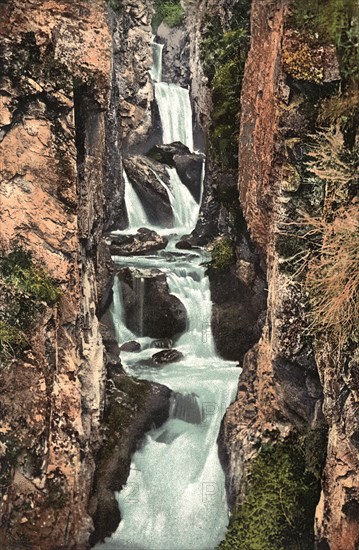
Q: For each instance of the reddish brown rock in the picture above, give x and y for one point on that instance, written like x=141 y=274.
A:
x=56 y=81
x=279 y=389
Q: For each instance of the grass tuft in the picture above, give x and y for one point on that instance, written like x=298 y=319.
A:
x=26 y=290
x=12 y=340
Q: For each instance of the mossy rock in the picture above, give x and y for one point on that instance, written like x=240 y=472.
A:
x=223 y=254
x=281 y=497
x=224 y=54
x=27 y=289
x=169 y=12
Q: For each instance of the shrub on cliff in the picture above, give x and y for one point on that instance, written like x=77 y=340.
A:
x=19 y=270
x=11 y=340
x=332 y=21
x=26 y=289
x=222 y=254
x=332 y=278
x=224 y=54
x=168 y=11
x=278 y=512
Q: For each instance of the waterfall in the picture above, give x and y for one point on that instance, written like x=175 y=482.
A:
x=136 y=213
x=187 y=407
x=180 y=501
x=175 y=109
x=123 y=334
x=175 y=498
x=156 y=69
x=184 y=207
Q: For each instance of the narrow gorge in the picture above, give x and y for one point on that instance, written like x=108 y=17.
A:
x=179 y=275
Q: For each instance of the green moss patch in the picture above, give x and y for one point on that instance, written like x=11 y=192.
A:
x=168 y=11
x=223 y=255
x=278 y=512
x=331 y=21
x=224 y=53
x=26 y=289
x=11 y=340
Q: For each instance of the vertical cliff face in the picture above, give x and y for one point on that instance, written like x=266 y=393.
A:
x=289 y=387
x=55 y=87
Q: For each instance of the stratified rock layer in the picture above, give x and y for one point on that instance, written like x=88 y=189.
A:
x=56 y=76
x=286 y=385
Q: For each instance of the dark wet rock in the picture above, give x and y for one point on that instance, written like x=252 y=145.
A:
x=143 y=173
x=239 y=304
x=133 y=407
x=167 y=356
x=150 y=309
x=210 y=221
x=162 y=343
x=175 y=54
x=189 y=169
x=184 y=245
x=299 y=404
x=165 y=153
x=189 y=165
x=132 y=346
x=144 y=242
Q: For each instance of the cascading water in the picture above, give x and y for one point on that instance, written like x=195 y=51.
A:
x=175 y=109
x=184 y=207
x=136 y=213
x=156 y=69
x=175 y=497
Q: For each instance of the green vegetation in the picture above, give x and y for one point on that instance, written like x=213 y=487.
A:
x=223 y=254
x=332 y=278
x=26 y=290
x=169 y=11
x=278 y=512
x=333 y=21
x=300 y=64
x=18 y=269
x=11 y=340
x=224 y=54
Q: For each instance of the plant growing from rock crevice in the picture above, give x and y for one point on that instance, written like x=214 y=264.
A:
x=223 y=255
x=26 y=290
x=278 y=510
x=168 y=11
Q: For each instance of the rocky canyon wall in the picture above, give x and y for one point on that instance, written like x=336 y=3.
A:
x=55 y=89
x=76 y=99
x=291 y=383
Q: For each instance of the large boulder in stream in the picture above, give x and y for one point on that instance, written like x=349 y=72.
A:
x=150 y=309
x=189 y=165
x=131 y=346
x=144 y=242
x=145 y=175
x=167 y=356
x=166 y=152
